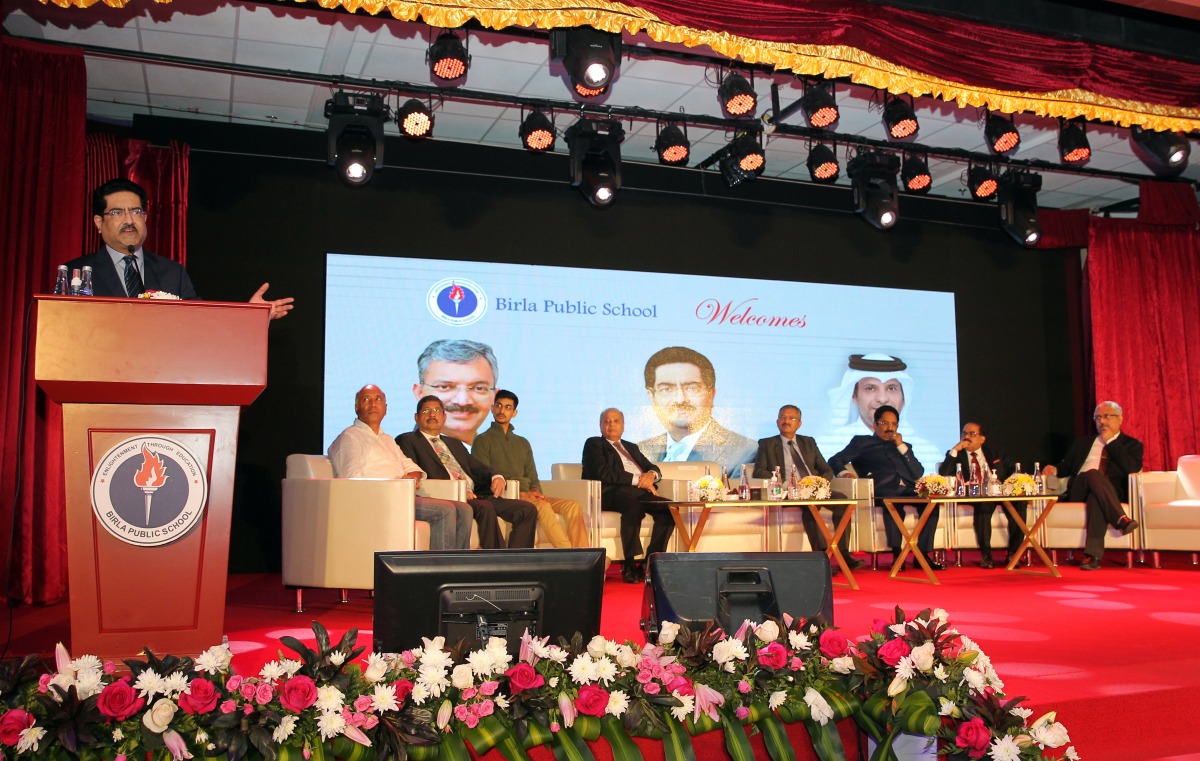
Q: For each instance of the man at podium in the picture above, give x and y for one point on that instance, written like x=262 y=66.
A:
x=123 y=268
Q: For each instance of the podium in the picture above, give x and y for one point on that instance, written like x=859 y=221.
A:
x=151 y=393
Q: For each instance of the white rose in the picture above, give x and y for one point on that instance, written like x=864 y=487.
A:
x=158 y=718
x=922 y=657
x=462 y=677
x=597 y=647
x=667 y=633
x=768 y=632
x=376 y=668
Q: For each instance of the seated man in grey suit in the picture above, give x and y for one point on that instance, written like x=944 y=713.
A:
x=628 y=480
x=446 y=457
x=790 y=451
x=681 y=384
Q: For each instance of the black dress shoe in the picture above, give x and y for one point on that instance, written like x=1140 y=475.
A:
x=933 y=564
x=1090 y=564
x=854 y=563
x=987 y=562
x=629 y=575
x=1126 y=526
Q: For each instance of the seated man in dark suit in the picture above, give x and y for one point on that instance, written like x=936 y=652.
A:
x=123 y=268
x=791 y=451
x=628 y=480
x=1099 y=470
x=886 y=459
x=446 y=457
x=976 y=458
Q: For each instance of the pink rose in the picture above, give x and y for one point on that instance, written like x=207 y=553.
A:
x=893 y=650
x=974 y=736
x=489 y=687
x=298 y=693
x=742 y=712
x=362 y=703
x=247 y=690
x=682 y=685
x=201 y=697
x=834 y=643
x=743 y=686
x=879 y=626
x=229 y=706
x=110 y=668
x=651 y=688
x=234 y=682
x=523 y=677
x=44 y=683
x=12 y=724
x=592 y=700
x=773 y=656
x=371 y=721
x=403 y=689
x=484 y=708
x=119 y=701
x=461 y=712
x=264 y=693
x=796 y=664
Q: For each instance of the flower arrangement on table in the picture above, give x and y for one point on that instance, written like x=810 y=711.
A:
x=933 y=486
x=709 y=488
x=814 y=487
x=916 y=676
x=1019 y=484
x=158 y=296
x=921 y=676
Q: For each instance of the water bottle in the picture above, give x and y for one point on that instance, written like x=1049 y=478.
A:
x=60 y=282
x=76 y=283
x=793 y=485
x=1018 y=469
x=773 y=486
x=726 y=485
x=960 y=486
x=744 y=486
x=85 y=284
x=1039 y=483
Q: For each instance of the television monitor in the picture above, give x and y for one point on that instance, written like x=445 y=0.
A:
x=472 y=595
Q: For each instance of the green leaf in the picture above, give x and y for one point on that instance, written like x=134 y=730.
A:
x=736 y=742
x=484 y=736
x=677 y=744
x=511 y=748
x=345 y=749
x=452 y=748
x=775 y=737
x=588 y=727
x=570 y=746
x=793 y=711
x=827 y=742
x=623 y=747
x=917 y=714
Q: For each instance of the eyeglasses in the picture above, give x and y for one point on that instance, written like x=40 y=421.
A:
x=689 y=389
x=788 y=418
x=431 y=411
x=137 y=212
x=971 y=434
x=504 y=407
x=1105 y=416
x=478 y=389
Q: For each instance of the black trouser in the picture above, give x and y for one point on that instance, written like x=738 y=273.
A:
x=521 y=514
x=983 y=527
x=634 y=504
x=816 y=539
x=1103 y=507
x=924 y=540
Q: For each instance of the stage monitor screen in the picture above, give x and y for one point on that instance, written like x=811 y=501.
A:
x=727 y=354
x=472 y=595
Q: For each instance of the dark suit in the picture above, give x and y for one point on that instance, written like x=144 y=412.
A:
x=486 y=505
x=1102 y=493
x=717 y=444
x=158 y=274
x=894 y=474
x=995 y=460
x=618 y=494
x=771 y=456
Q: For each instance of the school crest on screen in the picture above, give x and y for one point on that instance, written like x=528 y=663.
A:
x=457 y=301
x=149 y=490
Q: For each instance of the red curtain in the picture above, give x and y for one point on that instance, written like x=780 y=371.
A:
x=1144 y=281
x=43 y=105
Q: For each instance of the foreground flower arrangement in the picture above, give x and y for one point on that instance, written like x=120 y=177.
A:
x=916 y=676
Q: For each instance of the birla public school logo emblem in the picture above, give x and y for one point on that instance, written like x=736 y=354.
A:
x=456 y=301
x=149 y=491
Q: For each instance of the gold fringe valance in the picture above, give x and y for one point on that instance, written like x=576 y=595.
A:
x=829 y=61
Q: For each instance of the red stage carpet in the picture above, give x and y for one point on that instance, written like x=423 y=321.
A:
x=1113 y=651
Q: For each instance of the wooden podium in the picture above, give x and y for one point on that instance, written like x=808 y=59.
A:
x=151 y=393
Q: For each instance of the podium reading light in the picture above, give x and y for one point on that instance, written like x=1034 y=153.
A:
x=447 y=57
x=1017 y=198
x=596 y=159
x=672 y=145
x=915 y=174
x=823 y=164
x=743 y=159
x=537 y=132
x=873 y=180
x=819 y=105
x=737 y=95
x=899 y=118
x=590 y=56
x=415 y=119
x=1166 y=153
x=1073 y=145
x=354 y=138
x=981 y=181
x=1002 y=136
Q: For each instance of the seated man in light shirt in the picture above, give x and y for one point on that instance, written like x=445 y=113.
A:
x=365 y=451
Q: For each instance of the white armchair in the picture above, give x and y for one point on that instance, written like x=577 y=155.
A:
x=1167 y=504
x=1066 y=526
x=332 y=527
x=603 y=528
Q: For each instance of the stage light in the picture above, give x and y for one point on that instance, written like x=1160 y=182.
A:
x=1001 y=134
x=823 y=164
x=415 y=119
x=537 y=132
x=899 y=118
x=743 y=159
x=873 y=180
x=447 y=57
x=915 y=174
x=737 y=95
x=354 y=138
x=981 y=181
x=672 y=145
x=1166 y=153
x=1073 y=145
x=590 y=56
x=1017 y=198
x=596 y=159
x=819 y=105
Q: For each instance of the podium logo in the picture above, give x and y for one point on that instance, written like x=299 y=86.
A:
x=456 y=301
x=149 y=491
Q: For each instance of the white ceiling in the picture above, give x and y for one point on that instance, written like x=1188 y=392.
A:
x=307 y=40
